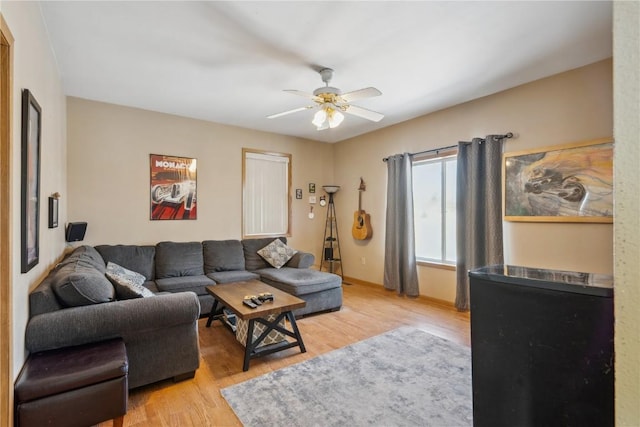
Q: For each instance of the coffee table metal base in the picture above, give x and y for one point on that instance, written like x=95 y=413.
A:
x=252 y=348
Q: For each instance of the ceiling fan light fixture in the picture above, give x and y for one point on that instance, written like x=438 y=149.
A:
x=335 y=118
x=319 y=118
x=327 y=116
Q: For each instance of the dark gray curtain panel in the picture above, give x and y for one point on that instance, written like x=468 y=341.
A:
x=479 y=214
x=400 y=273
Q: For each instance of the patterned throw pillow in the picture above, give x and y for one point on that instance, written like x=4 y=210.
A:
x=128 y=284
x=277 y=253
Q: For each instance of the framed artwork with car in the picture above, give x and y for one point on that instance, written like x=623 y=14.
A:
x=173 y=188
x=565 y=183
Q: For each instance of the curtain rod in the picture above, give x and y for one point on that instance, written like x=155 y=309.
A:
x=436 y=150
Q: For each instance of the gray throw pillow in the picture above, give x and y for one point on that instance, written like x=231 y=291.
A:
x=277 y=253
x=128 y=284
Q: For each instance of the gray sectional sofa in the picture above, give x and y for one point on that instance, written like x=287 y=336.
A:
x=77 y=303
x=191 y=266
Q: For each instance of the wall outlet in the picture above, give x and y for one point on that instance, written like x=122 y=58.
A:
x=363 y=260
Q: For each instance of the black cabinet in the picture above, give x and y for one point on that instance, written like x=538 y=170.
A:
x=541 y=347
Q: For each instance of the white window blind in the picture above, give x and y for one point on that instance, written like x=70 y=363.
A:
x=266 y=193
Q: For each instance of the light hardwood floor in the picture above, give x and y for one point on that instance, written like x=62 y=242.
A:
x=367 y=311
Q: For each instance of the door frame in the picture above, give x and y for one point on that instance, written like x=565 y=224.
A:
x=6 y=285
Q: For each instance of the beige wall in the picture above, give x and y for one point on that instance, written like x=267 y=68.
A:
x=108 y=174
x=627 y=207
x=569 y=107
x=35 y=69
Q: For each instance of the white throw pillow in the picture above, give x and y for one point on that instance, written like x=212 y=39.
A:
x=277 y=253
x=128 y=284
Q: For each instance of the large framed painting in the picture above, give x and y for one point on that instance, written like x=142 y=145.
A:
x=567 y=183
x=173 y=187
x=30 y=209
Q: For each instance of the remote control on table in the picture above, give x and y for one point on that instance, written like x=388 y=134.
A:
x=249 y=303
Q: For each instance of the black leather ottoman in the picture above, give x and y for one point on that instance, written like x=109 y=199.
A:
x=74 y=386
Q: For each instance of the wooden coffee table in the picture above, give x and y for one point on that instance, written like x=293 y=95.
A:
x=230 y=295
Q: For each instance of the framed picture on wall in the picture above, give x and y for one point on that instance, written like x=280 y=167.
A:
x=53 y=212
x=30 y=209
x=173 y=187
x=566 y=183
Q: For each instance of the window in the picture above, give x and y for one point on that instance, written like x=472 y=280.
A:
x=434 y=209
x=266 y=200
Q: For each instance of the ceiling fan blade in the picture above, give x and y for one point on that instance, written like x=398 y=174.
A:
x=367 y=92
x=295 y=110
x=363 y=112
x=304 y=94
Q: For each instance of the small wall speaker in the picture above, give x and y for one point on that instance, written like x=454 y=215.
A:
x=75 y=231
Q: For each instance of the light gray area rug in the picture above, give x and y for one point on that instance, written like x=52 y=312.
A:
x=405 y=377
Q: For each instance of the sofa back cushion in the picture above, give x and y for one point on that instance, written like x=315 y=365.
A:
x=80 y=279
x=177 y=259
x=252 y=260
x=135 y=258
x=85 y=255
x=222 y=255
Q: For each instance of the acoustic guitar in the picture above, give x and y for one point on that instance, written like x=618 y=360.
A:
x=361 y=229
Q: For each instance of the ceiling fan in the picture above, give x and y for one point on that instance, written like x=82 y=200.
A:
x=331 y=103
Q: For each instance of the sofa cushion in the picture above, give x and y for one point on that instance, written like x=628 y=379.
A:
x=177 y=259
x=277 y=253
x=136 y=258
x=252 y=260
x=152 y=286
x=299 y=281
x=222 y=255
x=301 y=260
x=77 y=284
x=232 y=276
x=128 y=284
x=185 y=283
x=85 y=255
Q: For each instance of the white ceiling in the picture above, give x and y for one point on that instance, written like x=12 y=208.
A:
x=228 y=62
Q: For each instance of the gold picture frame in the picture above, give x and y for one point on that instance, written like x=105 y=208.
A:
x=563 y=183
